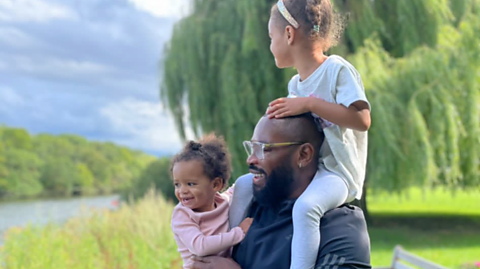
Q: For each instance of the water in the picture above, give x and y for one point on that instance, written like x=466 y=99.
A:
x=41 y=212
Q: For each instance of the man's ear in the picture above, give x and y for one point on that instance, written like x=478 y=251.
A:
x=290 y=34
x=217 y=184
x=305 y=156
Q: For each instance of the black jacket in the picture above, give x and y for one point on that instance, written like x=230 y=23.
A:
x=345 y=242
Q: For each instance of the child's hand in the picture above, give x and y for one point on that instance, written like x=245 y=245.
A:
x=284 y=107
x=213 y=262
x=245 y=225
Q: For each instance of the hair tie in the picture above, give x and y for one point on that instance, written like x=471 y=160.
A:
x=194 y=145
x=316 y=28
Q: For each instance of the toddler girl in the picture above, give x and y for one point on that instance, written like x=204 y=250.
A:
x=200 y=220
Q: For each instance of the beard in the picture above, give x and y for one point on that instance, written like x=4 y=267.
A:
x=277 y=186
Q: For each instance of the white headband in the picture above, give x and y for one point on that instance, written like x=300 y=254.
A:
x=283 y=10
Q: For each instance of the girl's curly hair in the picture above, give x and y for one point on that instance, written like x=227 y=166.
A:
x=316 y=18
x=212 y=151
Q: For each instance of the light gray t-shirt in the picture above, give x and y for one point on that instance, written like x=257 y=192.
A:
x=344 y=151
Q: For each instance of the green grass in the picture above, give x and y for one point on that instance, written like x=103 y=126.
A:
x=136 y=236
x=437 y=202
x=448 y=248
x=435 y=225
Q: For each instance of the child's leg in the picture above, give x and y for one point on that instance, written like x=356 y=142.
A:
x=242 y=197
x=325 y=192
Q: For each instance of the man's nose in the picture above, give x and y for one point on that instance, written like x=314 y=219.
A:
x=252 y=159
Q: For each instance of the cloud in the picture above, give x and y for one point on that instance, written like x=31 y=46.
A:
x=55 y=67
x=164 y=8
x=13 y=37
x=112 y=46
x=10 y=98
x=143 y=125
x=50 y=111
x=89 y=68
x=32 y=11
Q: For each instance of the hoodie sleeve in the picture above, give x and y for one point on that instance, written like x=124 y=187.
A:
x=189 y=232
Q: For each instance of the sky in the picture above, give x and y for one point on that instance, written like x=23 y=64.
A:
x=89 y=68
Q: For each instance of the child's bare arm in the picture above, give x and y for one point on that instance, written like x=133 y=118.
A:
x=356 y=116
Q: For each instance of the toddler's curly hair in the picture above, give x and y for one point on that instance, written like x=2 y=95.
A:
x=212 y=151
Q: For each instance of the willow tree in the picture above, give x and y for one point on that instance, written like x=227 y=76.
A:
x=426 y=113
x=218 y=70
x=418 y=60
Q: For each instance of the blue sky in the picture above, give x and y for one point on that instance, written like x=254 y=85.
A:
x=88 y=67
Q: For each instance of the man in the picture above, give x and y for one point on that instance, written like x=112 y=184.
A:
x=283 y=159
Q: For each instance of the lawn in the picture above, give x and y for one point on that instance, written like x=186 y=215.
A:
x=434 y=225
x=437 y=225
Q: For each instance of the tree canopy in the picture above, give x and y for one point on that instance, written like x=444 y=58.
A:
x=64 y=165
x=419 y=61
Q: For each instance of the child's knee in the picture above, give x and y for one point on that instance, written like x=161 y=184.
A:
x=243 y=187
x=245 y=180
x=306 y=208
x=244 y=183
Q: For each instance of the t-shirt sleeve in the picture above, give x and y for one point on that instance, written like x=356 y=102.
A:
x=292 y=87
x=190 y=234
x=349 y=87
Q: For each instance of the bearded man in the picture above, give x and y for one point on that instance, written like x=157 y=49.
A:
x=283 y=159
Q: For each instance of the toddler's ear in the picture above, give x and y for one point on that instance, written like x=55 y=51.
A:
x=217 y=184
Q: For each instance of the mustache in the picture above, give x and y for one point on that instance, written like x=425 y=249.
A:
x=256 y=169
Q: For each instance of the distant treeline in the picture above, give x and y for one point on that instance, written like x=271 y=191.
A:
x=155 y=176
x=65 y=165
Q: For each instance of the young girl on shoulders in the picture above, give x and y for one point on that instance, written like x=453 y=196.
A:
x=200 y=220
x=331 y=89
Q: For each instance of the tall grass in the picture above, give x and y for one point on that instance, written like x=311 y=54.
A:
x=433 y=225
x=135 y=236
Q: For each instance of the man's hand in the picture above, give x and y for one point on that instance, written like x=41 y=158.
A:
x=284 y=107
x=245 y=225
x=214 y=262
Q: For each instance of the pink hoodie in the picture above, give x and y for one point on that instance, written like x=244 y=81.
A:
x=205 y=233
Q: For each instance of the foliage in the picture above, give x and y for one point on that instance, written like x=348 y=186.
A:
x=22 y=172
x=64 y=165
x=426 y=128
x=219 y=62
x=419 y=62
x=156 y=175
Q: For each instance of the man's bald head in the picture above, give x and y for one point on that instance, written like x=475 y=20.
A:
x=299 y=128
x=284 y=172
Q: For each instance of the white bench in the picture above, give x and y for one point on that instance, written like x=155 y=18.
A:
x=403 y=259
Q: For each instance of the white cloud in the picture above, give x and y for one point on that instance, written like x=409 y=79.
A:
x=18 y=39
x=50 y=66
x=32 y=11
x=164 y=8
x=142 y=125
x=83 y=66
